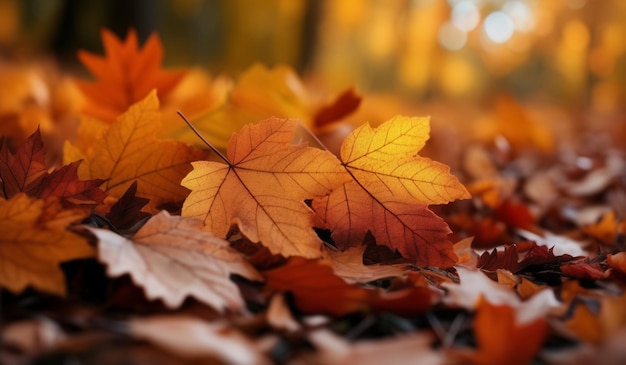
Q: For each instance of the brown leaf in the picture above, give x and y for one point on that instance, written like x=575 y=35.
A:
x=126 y=212
x=64 y=184
x=23 y=170
x=171 y=258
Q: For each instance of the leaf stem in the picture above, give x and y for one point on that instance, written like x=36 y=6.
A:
x=197 y=132
x=312 y=135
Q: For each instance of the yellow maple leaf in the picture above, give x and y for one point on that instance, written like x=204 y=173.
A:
x=388 y=190
x=128 y=151
x=260 y=93
x=263 y=187
x=33 y=244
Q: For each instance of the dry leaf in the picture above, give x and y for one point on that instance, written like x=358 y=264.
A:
x=402 y=349
x=171 y=258
x=349 y=266
x=316 y=289
x=33 y=244
x=262 y=188
x=128 y=151
x=502 y=339
x=23 y=170
x=260 y=93
x=194 y=338
x=388 y=193
x=475 y=286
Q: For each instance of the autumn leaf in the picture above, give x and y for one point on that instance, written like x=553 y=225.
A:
x=194 y=338
x=64 y=184
x=126 y=212
x=346 y=103
x=23 y=170
x=509 y=258
x=259 y=93
x=128 y=151
x=388 y=192
x=32 y=245
x=262 y=188
x=316 y=289
x=475 y=286
x=503 y=339
x=605 y=230
x=349 y=266
x=171 y=258
x=125 y=75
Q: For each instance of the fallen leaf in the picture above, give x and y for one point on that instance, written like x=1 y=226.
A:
x=596 y=326
x=509 y=258
x=32 y=245
x=194 y=338
x=262 y=188
x=125 y=75
x=349 y=266
x=400 y=349
x=559 y=244
x=64 y=184
x=584 y=269
x=259 y=93
x=345 y=104
x=32 y=336
x=279 y=315
x=475 y=286
x=517 y=124
x=502 y=339
x=23 y=170
x=605 y=230
x=128 y=151
x=171 y=258
x=388 y=193
x=617 y=262
x=126 y=212
x=316 y=289
x=515 y=214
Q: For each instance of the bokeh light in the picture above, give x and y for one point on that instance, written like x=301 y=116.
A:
x=498 y=27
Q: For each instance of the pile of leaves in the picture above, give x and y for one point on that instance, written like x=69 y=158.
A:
x=133 y=237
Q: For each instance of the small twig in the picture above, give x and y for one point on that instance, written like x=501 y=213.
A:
x=193 y=128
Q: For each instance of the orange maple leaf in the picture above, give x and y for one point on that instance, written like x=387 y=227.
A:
x=388 y=190
x=262 y=188
x=128 y=151
x=33 y=244
x=502 y=339
x=125 y=75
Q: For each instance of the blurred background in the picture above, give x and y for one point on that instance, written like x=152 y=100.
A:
x=569 y=52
